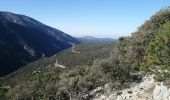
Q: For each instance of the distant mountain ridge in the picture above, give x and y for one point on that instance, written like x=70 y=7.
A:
x=94 y=39
x=24 y=39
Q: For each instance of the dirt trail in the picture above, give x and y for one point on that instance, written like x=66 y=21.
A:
x=58 y=65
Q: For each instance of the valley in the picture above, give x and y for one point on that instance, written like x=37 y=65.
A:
x=24 y=40
x=39 y=62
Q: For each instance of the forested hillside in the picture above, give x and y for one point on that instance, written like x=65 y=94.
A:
x=24 y=40
x=85 y=55
x=146 y=51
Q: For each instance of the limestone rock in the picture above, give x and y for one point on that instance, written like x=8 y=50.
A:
x=161 y=92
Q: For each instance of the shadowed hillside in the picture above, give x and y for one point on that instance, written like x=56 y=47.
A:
x=23 y=40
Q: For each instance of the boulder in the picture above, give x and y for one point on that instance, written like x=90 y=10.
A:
x=161 y=92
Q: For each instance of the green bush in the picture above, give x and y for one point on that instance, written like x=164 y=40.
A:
x=158 y=54
x=3 y=91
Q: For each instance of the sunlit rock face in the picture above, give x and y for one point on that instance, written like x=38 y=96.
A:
x=148 y=89
x=161 y=92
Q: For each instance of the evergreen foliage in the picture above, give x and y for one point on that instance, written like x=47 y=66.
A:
x=147 y=50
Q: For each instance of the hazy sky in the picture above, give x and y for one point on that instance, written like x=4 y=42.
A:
x=100 y=18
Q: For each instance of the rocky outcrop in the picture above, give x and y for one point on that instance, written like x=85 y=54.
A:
x=148 y=89
x=140 y=91
x=161 y=92
x=96 y=91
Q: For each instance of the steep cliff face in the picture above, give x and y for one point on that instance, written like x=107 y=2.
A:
x=23 y=40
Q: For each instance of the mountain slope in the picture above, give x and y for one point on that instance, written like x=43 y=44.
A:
x=88 y=53
x=119 y=71
x=23 y=39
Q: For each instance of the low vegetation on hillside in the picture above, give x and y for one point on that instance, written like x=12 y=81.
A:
x=146 y=50
x=88 y=53
x=157 y=59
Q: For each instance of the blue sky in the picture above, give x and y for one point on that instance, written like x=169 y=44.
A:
x=99 y=18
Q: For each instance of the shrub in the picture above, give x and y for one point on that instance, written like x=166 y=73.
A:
x=158 y=53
